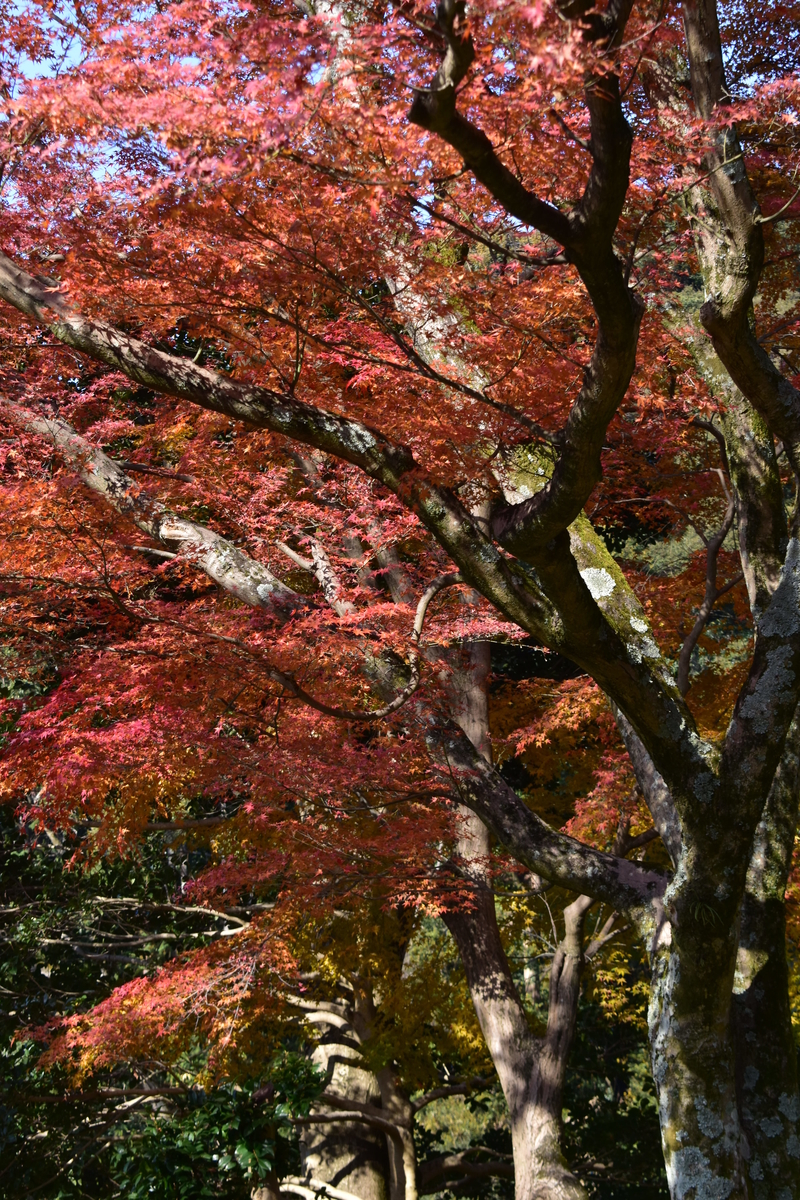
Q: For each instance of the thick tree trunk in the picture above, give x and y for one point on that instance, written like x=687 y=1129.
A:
x=740 y=1140
x=531 y=1070
x=764 y=1045
x=347 y=1154
x=694 y=1060
x=729 y=240
x=766 y=1055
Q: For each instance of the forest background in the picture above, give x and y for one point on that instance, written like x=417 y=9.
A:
x=337 y=807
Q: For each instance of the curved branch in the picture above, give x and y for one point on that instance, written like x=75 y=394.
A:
x=712 y=593
x=587 y=235
x=480 y=787
x=240 y=575
x=438 y=585
x=434 y=108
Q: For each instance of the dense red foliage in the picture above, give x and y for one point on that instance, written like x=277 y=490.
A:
x=238 y=183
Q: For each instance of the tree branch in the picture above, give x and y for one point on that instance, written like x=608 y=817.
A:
x=732 y=272
x=563 y=615
x=351 y=1114
x=435 y=109
x=432 y=1174
x=240 y=575
x=657 y=795
x=623 y=884
x=712 y=593
x=528 y=528
x=457 y=1089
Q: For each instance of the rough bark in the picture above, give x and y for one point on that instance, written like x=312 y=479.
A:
x=766 y=1060
x=756 y=482
x=765 y=1053
x=350 y=1155
x=692 y=1049
x=693 y=1054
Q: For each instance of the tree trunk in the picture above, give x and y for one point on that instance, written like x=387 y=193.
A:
x=402 y=1153
x=765 y=1052
x=347 y=1154
x=395 y=1107
x=766 y=1056
x=269 y=1189
x=531 y=1070
x=693 y=1056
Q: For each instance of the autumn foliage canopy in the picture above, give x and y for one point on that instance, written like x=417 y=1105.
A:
x=335 y=339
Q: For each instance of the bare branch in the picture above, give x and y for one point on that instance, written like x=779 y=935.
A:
x=712 y=592
x=477 y=1083
x=127 y=465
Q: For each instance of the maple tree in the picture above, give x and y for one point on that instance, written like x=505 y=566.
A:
x=396 y=334
x=58 y=937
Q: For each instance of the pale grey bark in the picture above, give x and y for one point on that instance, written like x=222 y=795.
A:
x=236 y=572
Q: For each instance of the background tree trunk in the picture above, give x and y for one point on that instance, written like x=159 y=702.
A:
x=268 y=1190
x=347 y=1154
x=531 y=1070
